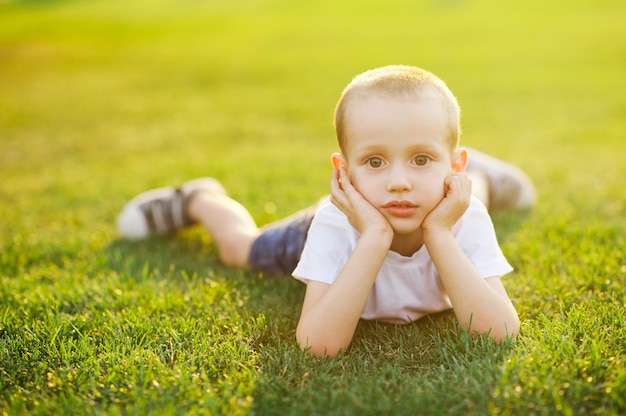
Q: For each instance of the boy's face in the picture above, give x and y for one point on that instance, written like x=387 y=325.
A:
x=398 y=155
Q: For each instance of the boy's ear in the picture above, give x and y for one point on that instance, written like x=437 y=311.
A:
x=338 y=161
x=459 y=160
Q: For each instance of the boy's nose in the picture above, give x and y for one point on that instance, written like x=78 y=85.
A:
x=398 y=181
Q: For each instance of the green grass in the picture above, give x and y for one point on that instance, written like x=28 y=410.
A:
x=102 y=100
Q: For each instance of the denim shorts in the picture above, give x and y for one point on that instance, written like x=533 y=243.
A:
x=277 y=250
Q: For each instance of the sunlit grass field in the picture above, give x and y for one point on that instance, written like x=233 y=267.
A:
x=100 y=100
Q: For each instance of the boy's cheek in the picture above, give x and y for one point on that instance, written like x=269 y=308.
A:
x=352 y=176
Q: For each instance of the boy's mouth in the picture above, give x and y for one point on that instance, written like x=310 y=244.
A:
x=400 y=208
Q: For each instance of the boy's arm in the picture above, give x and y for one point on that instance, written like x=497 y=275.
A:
x=330 y=313
x=481 y=305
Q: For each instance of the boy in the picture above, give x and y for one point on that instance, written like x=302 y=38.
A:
x=400 y=236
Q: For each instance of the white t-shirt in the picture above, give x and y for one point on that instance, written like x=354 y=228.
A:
x=406 y=288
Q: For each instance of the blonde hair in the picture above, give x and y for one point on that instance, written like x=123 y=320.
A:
x=398 y=81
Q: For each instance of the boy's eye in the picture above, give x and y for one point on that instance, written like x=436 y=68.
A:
x=421 y=160
x=375 y=162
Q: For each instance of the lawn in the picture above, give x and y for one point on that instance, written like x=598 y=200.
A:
x=100 y=100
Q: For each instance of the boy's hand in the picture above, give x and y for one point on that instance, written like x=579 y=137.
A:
x=361 y=214
x=458 y=190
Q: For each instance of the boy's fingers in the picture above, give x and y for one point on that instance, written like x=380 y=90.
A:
x=343 y=195
x=458 y=182
x=346 y=185
x=337 y=193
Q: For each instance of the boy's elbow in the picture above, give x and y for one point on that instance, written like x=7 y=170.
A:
x=318 y=348
x=320 y=351
x=502 y=336
x=511 y=329
x=495 y=328
x=507 y=331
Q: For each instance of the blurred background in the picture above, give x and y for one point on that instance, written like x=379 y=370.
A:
x=100 y=100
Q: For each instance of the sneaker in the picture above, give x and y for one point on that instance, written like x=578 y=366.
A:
x=509 y=186
x=163 y=210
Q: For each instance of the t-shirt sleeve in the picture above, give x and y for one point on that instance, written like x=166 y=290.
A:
x=329 y=243
x=477 y=238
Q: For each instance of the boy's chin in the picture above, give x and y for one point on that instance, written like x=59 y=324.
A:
x=406 y=227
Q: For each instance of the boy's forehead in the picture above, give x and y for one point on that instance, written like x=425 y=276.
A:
x=363 y=102
x=425 y=93
x=374 y=110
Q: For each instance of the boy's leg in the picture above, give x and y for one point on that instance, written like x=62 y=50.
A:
x=277 y=249
x=229 y=224
x=167 y=210
x=480 y=185
x=498 y=184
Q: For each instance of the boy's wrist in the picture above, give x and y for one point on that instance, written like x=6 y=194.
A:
x=434 y=234
x=382 y=237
